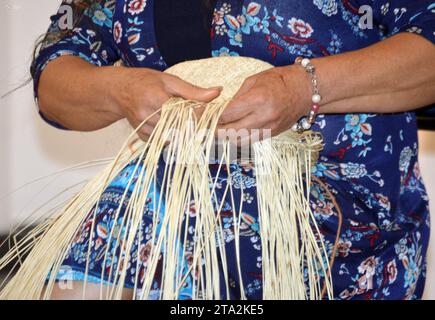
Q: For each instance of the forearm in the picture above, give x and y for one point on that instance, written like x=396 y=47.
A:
x=394 y=75
x=76 y=94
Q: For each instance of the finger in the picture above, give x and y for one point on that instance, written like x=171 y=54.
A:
x=153 y=104
x=188 y=91
x=236 y=110
x=237 y=129
x=244 y=132
x=247 y=85
x=144 y=129
x=152 y=122
x=144 y=132
x=250 y=123
x=234 y=137
x=145 y=117
x=243 y=105
x=143 y=135
x=199 y=111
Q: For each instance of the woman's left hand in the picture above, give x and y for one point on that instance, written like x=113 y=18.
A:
x=271 y=100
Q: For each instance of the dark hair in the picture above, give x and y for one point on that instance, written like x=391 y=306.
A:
x=52 y=36
x=55 y=34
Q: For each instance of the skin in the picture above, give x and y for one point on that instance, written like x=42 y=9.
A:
x=83 y=97
x=92 y=292
x=359 y=81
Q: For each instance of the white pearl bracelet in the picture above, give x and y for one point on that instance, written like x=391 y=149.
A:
x=305 y=123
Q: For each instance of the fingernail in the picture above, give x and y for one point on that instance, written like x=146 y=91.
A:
x=220 y=88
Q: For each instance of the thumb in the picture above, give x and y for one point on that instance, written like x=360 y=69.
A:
x=203 y=94
x=188 y=91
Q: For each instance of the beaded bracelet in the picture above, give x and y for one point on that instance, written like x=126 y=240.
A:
x=305 y=123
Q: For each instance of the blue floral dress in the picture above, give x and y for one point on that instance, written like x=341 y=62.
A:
x=369 y=162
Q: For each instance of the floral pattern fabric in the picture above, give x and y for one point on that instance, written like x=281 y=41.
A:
x=369 y=162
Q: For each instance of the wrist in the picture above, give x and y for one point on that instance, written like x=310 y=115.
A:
x=306 y=66
x=110 y=78
x=297 y=82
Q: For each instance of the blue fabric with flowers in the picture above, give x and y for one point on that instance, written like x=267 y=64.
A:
x=369 y=162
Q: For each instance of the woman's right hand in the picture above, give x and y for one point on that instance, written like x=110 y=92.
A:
x=80 y=96
x=140 y=92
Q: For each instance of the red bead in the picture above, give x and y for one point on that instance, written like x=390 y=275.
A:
x=315 y=107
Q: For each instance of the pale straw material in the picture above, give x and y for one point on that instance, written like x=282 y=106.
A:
x=294 y=260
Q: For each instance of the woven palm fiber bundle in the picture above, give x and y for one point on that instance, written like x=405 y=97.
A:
x=295 y=264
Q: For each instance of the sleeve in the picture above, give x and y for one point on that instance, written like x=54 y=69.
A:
x=416 y=16
x=89 y=38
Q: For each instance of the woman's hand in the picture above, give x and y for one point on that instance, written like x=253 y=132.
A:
x=81 y=96
x=271 y=100
x=140 y=92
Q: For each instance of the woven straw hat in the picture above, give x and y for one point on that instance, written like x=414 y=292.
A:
x=228 y=72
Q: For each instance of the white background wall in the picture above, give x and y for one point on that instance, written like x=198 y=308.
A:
x=29 y=149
